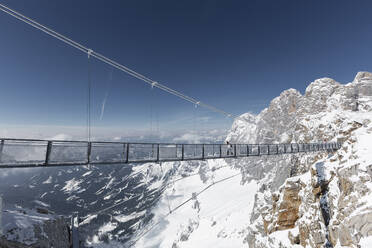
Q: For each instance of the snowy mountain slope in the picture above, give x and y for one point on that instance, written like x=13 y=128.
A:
x=216 y=217
x=88 y=190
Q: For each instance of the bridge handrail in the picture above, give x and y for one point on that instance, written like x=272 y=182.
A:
x=71 y=152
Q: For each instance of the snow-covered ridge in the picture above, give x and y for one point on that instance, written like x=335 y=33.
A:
x=33 y=228
x=281 y=121
x=331 y=191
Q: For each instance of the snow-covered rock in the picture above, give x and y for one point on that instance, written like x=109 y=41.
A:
x=329 y=206
x=31 y=228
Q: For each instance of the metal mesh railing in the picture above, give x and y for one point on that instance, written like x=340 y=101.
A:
x=32 y=153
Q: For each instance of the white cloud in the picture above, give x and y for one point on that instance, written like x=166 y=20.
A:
x=188 y=138
x=61 y=136
x=113 y=134
x=209 y=136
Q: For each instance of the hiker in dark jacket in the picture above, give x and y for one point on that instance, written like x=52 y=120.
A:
x=229 y=148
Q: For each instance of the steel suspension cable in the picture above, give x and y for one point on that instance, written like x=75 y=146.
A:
x=89 y=100
x=108 y=61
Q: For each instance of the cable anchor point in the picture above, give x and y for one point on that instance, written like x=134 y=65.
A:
x=89 y=52
x=196 y=104
x=153 y=84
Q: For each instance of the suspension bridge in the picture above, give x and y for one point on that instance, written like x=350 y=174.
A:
x=20 y=153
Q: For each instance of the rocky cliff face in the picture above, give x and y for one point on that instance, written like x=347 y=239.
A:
x=29 y=228
x=318 y=199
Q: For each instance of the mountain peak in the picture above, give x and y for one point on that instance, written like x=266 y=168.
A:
x=363 y=76
x=324 y=86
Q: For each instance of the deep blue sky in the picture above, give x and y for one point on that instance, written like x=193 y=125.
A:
x=236 y=55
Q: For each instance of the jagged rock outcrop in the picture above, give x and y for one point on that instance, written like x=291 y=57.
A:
x=285 y=211
x=27 y=229
x=243 y=129
x=324 y=199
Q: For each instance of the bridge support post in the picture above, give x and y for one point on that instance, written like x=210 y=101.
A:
x=89 y=151
x=202 y=151
x=158 y=152
x=1 y=149
x=247 y=150
x=123 y=152
x=1 y=214
x=75 y=230
x=183 y=152
x=220 y=151
x=127 y=155
x=235 y=150
x=48 y=151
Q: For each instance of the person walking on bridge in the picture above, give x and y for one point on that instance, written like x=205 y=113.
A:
x=229 y=149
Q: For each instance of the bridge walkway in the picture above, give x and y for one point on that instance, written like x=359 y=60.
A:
x=20 y=153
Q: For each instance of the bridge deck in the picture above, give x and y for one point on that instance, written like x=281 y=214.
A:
x=20 y=153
